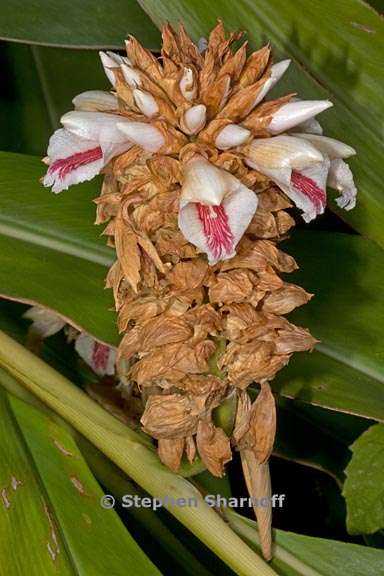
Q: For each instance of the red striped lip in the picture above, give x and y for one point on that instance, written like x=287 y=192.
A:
x=309 y=188
x=65 y=166
x=100 y=355
x=216 y=229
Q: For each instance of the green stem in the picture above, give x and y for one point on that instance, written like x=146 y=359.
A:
x=127 y=450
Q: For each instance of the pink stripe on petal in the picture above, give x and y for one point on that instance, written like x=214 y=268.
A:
x=216 y=229
x=65 y=166
x=100 y=355
x=310 y=189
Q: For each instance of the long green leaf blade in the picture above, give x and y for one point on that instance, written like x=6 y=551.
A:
x=346 y=275
x=299 y=555
x=71 y=286
x=83 y=24
x=30 y=541
x=63 y=222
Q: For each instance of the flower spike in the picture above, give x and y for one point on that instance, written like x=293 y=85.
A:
x=199 y=173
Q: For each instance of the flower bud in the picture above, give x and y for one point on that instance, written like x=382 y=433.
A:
x=294 y=113
x=194 y=119
x=231 y=136
x=146 y=103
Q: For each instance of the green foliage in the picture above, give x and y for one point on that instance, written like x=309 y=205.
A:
x=83 y=24
x=344 y=272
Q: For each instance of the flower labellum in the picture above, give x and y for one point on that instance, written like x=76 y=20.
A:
x=215 y=209
x=300 y=165
x=83 y=147
x=100 y=357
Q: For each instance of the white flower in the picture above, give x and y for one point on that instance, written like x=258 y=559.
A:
x=302 y=165
x=82 y=148
x=88 y=141
x=215 y=209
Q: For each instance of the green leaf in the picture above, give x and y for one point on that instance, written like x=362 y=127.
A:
x=301 y=440
x=36 y=91
x=30 y=539
x=62 y=222
x=299 y=555
x=71 y=286
x=97 y=541
x=24 y=123
x=58 y=248
x=345 y=273
x=337 y=50
x=83 y=24
x=364 y=486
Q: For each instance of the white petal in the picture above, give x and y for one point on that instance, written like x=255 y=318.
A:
x=307 y=189
x=45 y=323
x=108 y=64
x=278 y=152
x=97 y=126
x=194 y=118
x=72 y=160
x=142 y=134
x=232 y=135
x=95 y=101
x=295 y=113
x=311 y=126
x=340 y=178
x=329 y=146
x=110 y=60
x=117 y=59
x=216 y=230
x=277 y=72
x=146 y=103
x=187 y=84
x=99 y=357
x=131 y=77
x=203 y=182
x=240 y=207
